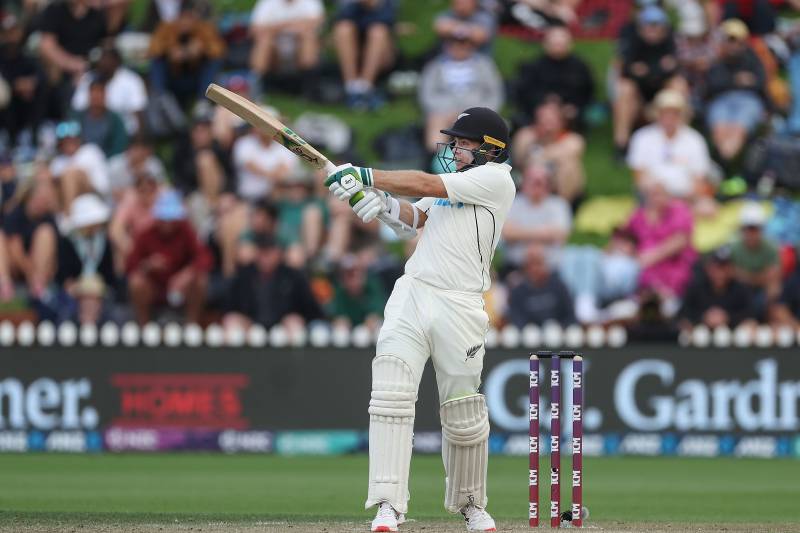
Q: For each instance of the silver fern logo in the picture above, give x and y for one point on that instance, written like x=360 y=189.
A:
x=471 y=352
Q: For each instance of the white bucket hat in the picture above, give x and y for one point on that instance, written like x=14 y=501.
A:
x=88 y=210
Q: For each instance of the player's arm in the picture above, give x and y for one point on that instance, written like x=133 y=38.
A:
x=414 y=183
x=407 y=214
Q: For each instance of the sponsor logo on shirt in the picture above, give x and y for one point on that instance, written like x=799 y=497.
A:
x=446 y=203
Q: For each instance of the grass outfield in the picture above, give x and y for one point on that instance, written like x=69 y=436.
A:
x=126 y=490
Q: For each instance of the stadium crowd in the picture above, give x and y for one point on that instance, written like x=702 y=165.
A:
x=124 y=195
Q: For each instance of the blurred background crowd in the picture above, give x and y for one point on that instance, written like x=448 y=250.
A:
x=654 y=147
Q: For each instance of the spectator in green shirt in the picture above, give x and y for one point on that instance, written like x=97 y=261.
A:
x=358 y=298
x=755 y=257
x=100 y=125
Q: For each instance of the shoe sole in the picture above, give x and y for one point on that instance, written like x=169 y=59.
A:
x=382 y=529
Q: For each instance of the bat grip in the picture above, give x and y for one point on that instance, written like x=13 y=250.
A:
x=356 y=198
x=329 y=167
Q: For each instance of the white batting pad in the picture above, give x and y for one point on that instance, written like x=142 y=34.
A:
x=391 y=427
x=465 y=451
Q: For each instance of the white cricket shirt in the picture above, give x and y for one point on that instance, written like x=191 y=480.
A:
x=462 y=230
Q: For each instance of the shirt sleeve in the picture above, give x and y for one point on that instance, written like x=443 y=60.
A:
x=563 y=215
x=80 y=100
x=137 y=93
x=637 y=155
x=478 y=186
x=260 y=14
x=424 y=204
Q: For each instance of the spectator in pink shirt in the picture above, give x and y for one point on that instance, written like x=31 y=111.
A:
x=662 y=227
x=133 y=215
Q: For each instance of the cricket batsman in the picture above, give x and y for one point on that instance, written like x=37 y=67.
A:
x=436 y=310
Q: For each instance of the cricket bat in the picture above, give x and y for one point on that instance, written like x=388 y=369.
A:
x=251 y=113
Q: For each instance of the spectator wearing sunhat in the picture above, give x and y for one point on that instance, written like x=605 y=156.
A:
x=670 y=151
x=649 y=64
x=85 y=260
x=735 y=91
x=714 y=297
x=80 y=167
x=86 y=248
x=755 y=257
x=168 y=263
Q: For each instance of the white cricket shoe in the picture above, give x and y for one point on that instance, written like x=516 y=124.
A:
x=387 y=519
x=478 y=519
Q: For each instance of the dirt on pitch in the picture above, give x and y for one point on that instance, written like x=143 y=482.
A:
x=409 y=527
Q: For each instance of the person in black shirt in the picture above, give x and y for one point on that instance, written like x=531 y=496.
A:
x=199 y=161
x=735 y=91
x=31 y=235
x=8 y=184
x=268 y=292
x=537 y=295
x=558 y=72
x=70 y=29
x=29 y=91
x=714 y=297
x=649 y=64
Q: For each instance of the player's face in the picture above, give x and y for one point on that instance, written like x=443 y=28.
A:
x=462 y=151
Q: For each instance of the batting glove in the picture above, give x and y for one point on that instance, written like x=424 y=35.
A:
x=347 y=181
x=373 y=204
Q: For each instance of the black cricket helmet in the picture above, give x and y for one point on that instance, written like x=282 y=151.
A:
x=478 y=124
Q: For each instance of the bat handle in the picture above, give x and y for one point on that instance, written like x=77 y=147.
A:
x=329 y=168
x=356 y=198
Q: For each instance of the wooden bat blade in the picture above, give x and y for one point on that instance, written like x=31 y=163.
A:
x=251 y=113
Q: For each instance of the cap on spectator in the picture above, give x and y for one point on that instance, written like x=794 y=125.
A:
x=348 y=262
x=91 y=285
x=752 y=215
x=203 y=113
x=721 y=255
x=238 y=84
x=151 y=171
x=9 y=21
x=68 y=129
x=692 y=21
x=653 y=15
x=88 y=210
x=169 y=206
x=735 y=29
x=670 y=99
